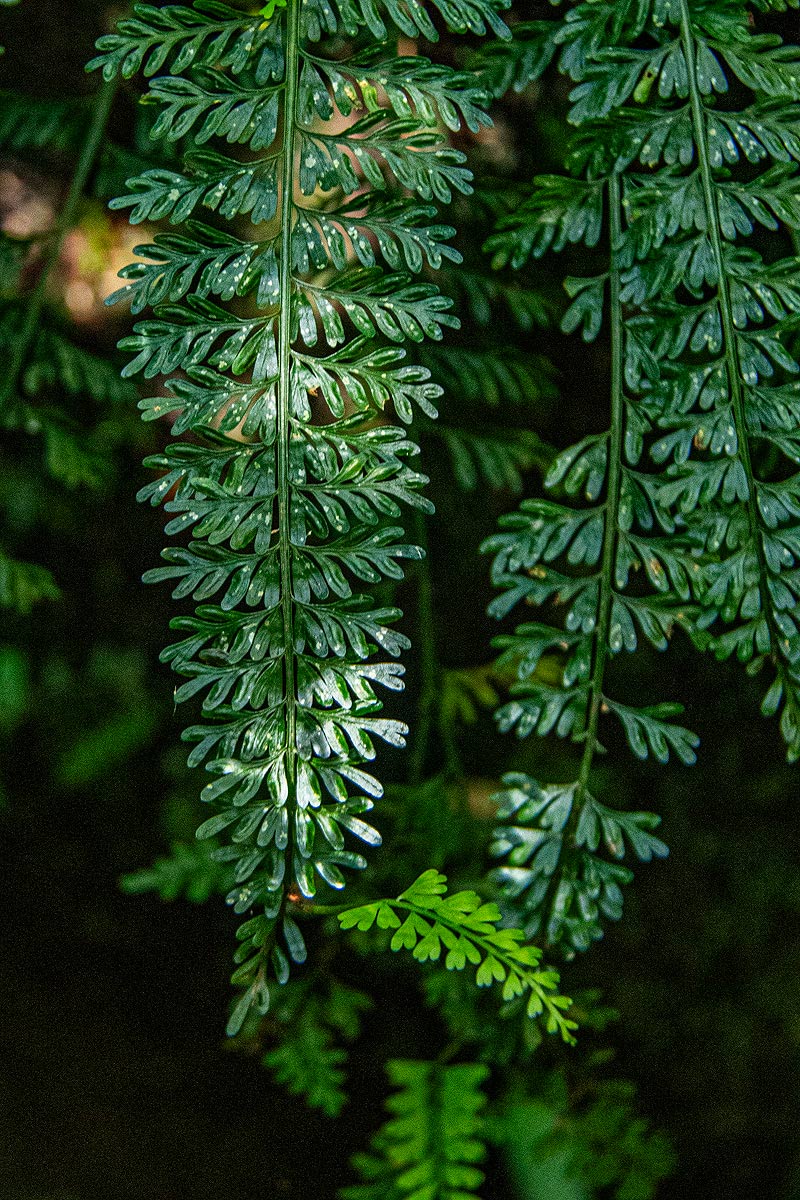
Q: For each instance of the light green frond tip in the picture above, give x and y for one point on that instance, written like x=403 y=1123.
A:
x=268 y=11
x=466 y=929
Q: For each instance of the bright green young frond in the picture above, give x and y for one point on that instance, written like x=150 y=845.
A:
x=464 y=930
x=434 y=1140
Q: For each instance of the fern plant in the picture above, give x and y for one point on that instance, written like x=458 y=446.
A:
x=293 y=475
x=681 y=514
x=292 y=472
x=296 y=168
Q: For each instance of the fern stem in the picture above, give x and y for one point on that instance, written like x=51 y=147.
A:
x=614 y=490
x=284 y=405
x=723 y=291
x=733 y=364
x=65 y=222
x=284 y=411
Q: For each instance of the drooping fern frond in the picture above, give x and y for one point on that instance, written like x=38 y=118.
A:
x=54 y=373
x=695 y=471
x=715 y=313
x=579 y=558
x=309 y=1058
x=464 y=929
x=293 y=479
x=434 y=1139
x=729 y=391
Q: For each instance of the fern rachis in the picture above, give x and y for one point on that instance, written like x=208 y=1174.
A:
x=288 y=513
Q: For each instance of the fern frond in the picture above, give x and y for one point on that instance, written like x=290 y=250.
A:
x=292 y=482
x=191 y=871
x=611 y=556
x=703 y=385
x=309 y=1059
x=485 y=296
x=213 y=34
x=712 y=361
x=747 y=544
x=496 y=457
x=309 y=1065
x=434 y=1138
x=466 y=930
x=552 y=871
x=581 y=556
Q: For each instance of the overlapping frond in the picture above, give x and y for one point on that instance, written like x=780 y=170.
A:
x=46 y=370
x=684 y=513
